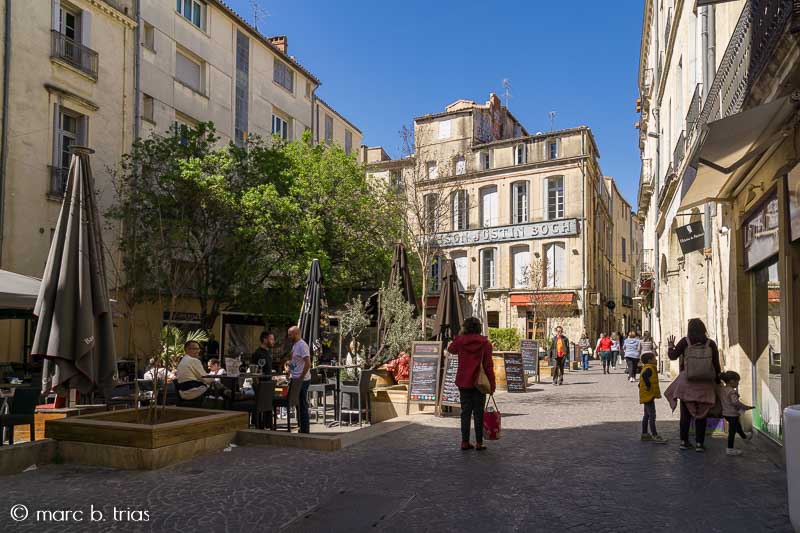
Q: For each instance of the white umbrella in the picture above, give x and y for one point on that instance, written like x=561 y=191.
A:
x=479 y=310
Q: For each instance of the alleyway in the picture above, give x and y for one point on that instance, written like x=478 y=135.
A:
x=570 y=460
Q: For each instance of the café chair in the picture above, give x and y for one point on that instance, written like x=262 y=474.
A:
x=320 y=388
x=265 y=394
x=22 y=412
x=291 y=401
x=360 y=393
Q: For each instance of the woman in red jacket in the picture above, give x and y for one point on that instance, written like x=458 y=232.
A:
x=473 y=350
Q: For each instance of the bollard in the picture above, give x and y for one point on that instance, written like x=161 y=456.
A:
x=791 y=442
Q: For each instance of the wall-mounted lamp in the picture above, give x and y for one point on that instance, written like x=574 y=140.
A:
x=724 y=230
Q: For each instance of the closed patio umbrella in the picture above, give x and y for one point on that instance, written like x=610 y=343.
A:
x=399 y=276
x=479 y=310
x=75 y=332
x=450 y=310
x=312 y=304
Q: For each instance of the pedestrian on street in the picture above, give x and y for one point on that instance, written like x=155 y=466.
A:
x=603 y=347
x=732 y=408
x=632 y=348
x=648 y=346
x=558 y=352
x=695 y=385
x=474 y=352
x=584 y=345
x=264 y=353
x=300 y=373
x=614 y=349
x=649 y=392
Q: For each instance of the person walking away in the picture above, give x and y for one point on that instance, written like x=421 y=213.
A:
x=632 y=349
x=264 y=353
x=558 y=352
x=695 y=385
x=649 y=392
x=614 y=349
x=474 y=352
x=603 y=347
x=732 y=408
x=584 y=345
x=300 y=372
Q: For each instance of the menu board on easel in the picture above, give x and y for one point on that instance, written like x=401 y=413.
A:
x=449 y=394
x=423 y=376
x=530 y=356
x=516 y=380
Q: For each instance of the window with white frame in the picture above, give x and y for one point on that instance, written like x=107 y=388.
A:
x=189 y=71
x=552 y=149
x=193 y=11
x=461 y=165
x=488 y=268
x=431 y=170
x=484 y=160
x=69 y=23
x=434 y=275
x=555 y=267
x=280 y=127
x=148 y=108
x=71 y=131
x=462 y=264
x=149 y=37
x=459 y=209
x=444 y=129
x=520 y=267
x=520 y=154
x=519 y=202
x=554 y=197
x=489 y=206
x=183 y=126
x=328 y=129
x=283 y=75
x=431 y=213
x=348 y=142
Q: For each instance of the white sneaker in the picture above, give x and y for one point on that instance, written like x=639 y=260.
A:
x=733 y=451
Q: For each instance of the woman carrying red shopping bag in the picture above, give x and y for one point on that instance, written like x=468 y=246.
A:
x=475 y=378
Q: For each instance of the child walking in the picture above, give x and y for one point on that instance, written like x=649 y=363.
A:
x=649 y=391
x=732 y=408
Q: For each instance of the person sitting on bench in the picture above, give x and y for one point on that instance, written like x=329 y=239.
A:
x=191 y=383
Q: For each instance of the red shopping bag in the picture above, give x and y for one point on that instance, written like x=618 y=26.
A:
x=491 y=420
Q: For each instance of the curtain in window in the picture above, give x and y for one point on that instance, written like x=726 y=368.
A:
x=489 y=206
x=521 y=262
x=556 y=269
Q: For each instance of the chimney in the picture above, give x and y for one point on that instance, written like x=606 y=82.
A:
x=280 y=42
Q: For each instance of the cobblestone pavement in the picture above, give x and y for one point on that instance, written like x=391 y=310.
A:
x=569 y=459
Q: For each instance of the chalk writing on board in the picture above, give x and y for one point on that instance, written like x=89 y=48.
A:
x=450 y=392
x=515 y=372
x=530 y=356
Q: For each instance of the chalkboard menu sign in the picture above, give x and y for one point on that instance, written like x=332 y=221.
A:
x=423 y=377
x=530 y=356
x=450 y=394
x=515 y=372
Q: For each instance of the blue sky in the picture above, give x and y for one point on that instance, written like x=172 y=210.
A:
x=383 y=63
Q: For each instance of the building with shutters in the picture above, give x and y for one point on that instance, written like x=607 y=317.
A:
x=526 y=217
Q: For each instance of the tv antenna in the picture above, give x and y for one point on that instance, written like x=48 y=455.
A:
x=552 y=119
x=507 y=90
x=258 y=12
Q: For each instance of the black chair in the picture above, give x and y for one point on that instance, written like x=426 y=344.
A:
x=180 y=402
x=358 y=392
x=320 y=387
x=291 y=400
x=22 y=411
x=265 y=394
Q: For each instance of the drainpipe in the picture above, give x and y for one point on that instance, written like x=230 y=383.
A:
x=4 y=141
x=710 y=49
x=314 y=127
x=137 y=65
x=583 y=229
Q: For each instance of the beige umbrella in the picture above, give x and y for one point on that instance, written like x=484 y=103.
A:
x=479 y=310
x=75 y=332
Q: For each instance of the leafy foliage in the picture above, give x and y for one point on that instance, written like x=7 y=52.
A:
x=402 y=327
x=504 y=339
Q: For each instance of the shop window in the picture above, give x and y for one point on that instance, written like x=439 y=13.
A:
x=493 y=319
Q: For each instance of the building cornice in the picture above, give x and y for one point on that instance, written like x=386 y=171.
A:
x=113 y=12
x=644 y=47
x=53 y=89
x=676 y=22
x=332 y=110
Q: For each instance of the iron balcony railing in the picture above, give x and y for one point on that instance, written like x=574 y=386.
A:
x=693 y=115
x=58 y=181
x=679 y=152
x=77 y=55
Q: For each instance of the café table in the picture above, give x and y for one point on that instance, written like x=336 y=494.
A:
x=338 y=369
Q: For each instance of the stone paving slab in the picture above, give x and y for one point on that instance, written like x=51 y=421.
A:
x=569 y=459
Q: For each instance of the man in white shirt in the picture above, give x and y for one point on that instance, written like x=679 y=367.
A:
x=300 y=369
x=191 y=383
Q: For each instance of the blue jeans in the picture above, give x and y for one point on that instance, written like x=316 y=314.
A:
x=585 y=361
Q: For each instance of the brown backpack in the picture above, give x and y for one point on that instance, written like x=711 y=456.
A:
x=698 y=362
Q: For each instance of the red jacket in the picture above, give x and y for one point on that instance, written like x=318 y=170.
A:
x=472 y=349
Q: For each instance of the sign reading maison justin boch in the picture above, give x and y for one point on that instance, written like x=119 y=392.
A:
x=518 y=232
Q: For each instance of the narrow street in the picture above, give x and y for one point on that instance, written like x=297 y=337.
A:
x=569 y=459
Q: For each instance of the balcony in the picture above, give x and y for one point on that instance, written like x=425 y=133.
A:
x=679 y=152
x=646 y=184
x=58 y=181
x=647 y=84
x=693 y=115
x=75 y=54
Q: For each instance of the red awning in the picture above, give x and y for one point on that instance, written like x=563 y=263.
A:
x=774 y=295
x=544 y=298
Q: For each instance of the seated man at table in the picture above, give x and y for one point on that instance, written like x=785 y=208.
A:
x=191 y=383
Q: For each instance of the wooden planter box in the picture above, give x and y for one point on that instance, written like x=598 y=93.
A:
x=115 y=438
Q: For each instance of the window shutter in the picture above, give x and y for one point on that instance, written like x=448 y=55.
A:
x=55 y=6
x=560 y=267
x=86 y=27
x=56 y=135
x=83 y=130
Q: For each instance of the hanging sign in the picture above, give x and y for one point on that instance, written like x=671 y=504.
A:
x=691 y=237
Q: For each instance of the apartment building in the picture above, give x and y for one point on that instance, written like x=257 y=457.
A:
x=69 y=82
x=718 y=189
x=625 y=252
x=526 y=217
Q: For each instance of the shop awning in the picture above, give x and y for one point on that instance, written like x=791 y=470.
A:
x=730 y=143
x=543 y=298
x=18 y=292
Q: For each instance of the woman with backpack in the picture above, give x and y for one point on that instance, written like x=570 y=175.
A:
x=695 y=385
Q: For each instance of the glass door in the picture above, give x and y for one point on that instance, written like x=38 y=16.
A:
x=767 y=366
